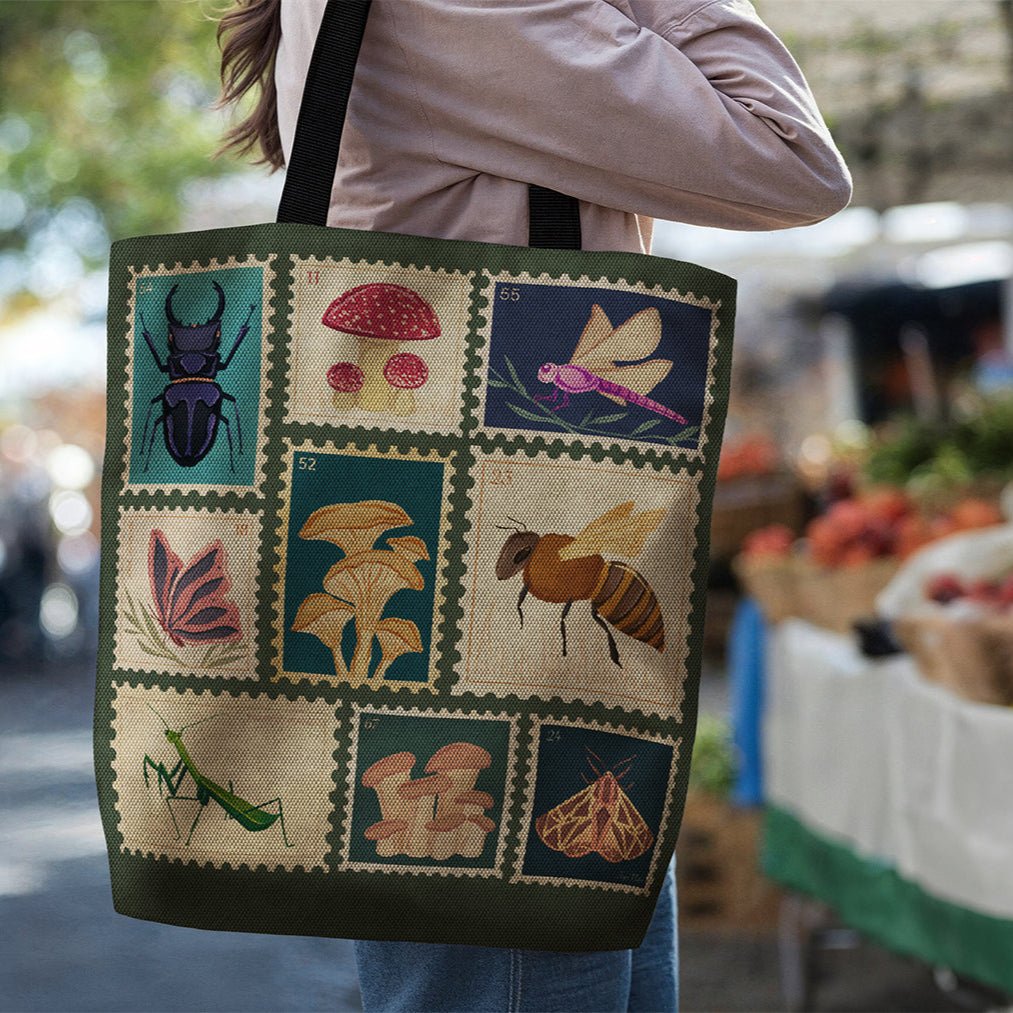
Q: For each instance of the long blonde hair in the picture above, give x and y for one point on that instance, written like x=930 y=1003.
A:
x=248 y=36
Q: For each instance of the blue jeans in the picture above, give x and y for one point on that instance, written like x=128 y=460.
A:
x=434 y=978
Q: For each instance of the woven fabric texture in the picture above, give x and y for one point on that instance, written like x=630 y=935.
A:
x=404 y=565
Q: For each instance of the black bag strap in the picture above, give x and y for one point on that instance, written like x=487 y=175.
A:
x=553 y=218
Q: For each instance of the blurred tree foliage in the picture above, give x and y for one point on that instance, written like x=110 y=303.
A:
x=105 y=114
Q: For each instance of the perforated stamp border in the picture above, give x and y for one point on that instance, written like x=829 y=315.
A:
x=137 y=274
x=385 y=423
x=529 y=803
x=648 y=450
x=360 y=448
x=676 y=662
x=496 y=870
x=125 y=662
x=328 y=751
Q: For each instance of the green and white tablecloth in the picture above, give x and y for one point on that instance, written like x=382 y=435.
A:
x=892 y=800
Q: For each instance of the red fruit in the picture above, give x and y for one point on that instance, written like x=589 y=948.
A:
x=975 y=513
x=856 y=555
x=887 y=503
x=848 y=517
x=984 y=591
x=773 y=540
x=345 y=377
x=944 y=587
x=913 y=532
x=1006 y=591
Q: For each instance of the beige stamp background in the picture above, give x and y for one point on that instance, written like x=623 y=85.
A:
x=267 y=748
x=187 y=531
x=315 y=347
x=561 y=497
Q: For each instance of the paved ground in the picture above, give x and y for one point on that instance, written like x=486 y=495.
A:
x=63 y=948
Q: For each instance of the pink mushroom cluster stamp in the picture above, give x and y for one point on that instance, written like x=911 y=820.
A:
x=427 y=791
x=377 y=346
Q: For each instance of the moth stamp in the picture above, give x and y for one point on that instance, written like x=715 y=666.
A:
x=196 y=345
x=360 y=582
x=240 y=779
x=579 y=581
x=596 y=806
x=377 y=345
x=614 y=364
x=185 y=592
x=428 y=791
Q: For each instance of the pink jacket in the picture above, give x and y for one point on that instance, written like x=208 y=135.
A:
x=687 y=110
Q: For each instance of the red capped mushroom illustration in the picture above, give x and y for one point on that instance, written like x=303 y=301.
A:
x=438 y=815
x=384 y=317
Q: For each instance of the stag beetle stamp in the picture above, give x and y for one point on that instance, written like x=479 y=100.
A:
x=197 y=378
x=377 y=345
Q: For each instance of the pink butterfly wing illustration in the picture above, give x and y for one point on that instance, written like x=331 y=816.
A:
x=163 y=569
x=191 y=600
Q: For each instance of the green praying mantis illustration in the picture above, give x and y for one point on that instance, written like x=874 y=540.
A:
x=252 y=817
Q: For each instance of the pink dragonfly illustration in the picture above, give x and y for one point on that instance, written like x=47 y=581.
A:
x=592 y=366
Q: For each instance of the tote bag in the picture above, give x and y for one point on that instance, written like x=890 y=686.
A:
x=404 y=553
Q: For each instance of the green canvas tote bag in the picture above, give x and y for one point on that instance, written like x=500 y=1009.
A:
x=405 y=545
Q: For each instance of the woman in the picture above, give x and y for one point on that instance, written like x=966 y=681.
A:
x=687 y=110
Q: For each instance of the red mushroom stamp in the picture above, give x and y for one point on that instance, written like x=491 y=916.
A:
x=384 y=317
x=375 y=344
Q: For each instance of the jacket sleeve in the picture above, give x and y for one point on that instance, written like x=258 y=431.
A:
x=706 y=120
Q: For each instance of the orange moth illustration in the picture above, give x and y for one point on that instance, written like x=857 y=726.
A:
x=599 y=819
x=563 y=569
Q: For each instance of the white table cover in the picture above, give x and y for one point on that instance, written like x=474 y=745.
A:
x=871 y=755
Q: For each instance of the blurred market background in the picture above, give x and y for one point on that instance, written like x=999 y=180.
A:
x=848 y=841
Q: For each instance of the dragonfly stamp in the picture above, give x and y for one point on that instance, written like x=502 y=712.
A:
x=582 y=363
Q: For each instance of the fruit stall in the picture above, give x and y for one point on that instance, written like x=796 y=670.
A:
x=886 y=663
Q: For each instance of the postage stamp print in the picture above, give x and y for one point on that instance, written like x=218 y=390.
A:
x=428 y=791
x=596 y=806
x=241 y=779
x=360 y=582
x=572 y=360
x=578 y=581
x=377 y=345
x=185 y=591
x=196 y=388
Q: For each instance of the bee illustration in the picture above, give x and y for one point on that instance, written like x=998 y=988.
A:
x=564 y=569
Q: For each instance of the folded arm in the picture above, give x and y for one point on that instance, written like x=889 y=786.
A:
x=691 y=110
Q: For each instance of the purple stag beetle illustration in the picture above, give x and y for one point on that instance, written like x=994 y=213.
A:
x=192 y=401
x=592 y=367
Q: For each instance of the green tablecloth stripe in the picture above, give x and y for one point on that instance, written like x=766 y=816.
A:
x=871 y=897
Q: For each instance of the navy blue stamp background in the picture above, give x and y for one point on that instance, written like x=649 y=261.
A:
x=543 y=323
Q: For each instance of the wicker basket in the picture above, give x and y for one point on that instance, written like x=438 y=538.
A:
x=970 y=656
x=771 y=582
x=741 y=505
x=831 y=598
x=835 y=598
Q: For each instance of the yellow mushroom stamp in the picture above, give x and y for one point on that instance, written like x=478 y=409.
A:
x=359 y=580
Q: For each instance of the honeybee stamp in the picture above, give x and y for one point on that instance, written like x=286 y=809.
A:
x=196 y=345
x=377 y=345
x=241 y=779
x=596 y=806
x=575 y=361
x=363 y=537
x=428 y=791
x=578 y=582
x=185 y=592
